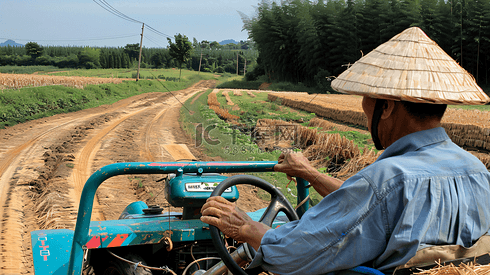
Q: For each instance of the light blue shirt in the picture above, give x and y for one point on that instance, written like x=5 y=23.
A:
x=423 y=190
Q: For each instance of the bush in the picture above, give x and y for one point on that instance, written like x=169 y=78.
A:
x=255 y=73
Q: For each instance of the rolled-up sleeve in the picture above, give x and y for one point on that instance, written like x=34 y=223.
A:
x=346 y=229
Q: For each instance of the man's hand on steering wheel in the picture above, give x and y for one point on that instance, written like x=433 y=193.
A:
x=225 y=216
x=232 y=221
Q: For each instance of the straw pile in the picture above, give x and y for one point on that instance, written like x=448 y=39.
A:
x=462 y=269
x=326 y=125
x=467 y=128
x=340 y=154
x=215 y=106
x=251 y=94
x=228 y=99
x=237 y=93
x=29 y=80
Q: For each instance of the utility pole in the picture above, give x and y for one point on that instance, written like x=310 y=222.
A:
x=141 y=49
x=200 y=61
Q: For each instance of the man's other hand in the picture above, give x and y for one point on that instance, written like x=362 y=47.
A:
x=294 y=165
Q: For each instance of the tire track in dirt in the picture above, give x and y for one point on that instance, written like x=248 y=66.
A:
x=148 y=129
x=81 y=171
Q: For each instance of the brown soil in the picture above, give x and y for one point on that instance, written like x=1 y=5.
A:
x=45 y=163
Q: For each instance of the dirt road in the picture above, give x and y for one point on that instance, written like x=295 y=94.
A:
x=45 y=163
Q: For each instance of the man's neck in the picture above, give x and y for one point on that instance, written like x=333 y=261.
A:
x=405 y=125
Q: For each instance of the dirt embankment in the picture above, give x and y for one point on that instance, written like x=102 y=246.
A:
x=44 y=164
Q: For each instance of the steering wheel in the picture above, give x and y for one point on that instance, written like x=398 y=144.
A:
x=278 y=203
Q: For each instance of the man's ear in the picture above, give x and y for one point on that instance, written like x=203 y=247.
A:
x=388 y=109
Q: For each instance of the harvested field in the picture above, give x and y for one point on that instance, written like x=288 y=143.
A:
x=467 y=128
x=16 y=81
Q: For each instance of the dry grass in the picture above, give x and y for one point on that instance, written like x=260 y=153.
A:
x=17 y=81
x=215 y=106
x=462 y=269
x=326 y=125
x=251 y=94
x=228 y=99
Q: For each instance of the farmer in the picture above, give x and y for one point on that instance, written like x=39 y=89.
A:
x=422 y=191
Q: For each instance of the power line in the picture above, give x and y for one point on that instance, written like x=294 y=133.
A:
x=152 y=39
x=68 y=40
x=158 y=32
x=117 y=13
x=105 y=5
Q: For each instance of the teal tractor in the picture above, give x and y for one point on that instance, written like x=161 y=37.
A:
x=147 y=240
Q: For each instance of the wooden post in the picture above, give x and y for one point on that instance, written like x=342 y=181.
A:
x=237 y=64
x=200 y=61
x=141 y=49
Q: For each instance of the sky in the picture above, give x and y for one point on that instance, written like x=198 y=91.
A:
x=86 y=23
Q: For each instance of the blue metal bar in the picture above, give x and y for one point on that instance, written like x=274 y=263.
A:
x=80 y=237
x=303 y=193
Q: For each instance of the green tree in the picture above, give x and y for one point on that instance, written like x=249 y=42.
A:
x=89 y=58
x=34 y=50
x=132 y=50
x=180 y=50
x=215 y=45
x=125 y=62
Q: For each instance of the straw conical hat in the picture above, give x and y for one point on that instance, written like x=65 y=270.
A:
x=411 y=67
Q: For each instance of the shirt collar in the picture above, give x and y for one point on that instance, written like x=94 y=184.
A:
x=415 y=141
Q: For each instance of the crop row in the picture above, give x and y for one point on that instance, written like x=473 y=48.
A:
x=214 y=105
x=469 y=128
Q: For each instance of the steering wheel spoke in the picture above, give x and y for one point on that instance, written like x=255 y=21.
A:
x=278 y=203
x=271 y=212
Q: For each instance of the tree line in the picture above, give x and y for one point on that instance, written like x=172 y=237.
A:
x=215 y=58
x=307 y=41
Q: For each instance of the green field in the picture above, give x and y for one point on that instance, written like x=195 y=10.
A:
x=252 y=109
x=131 y=73
x=20 y=105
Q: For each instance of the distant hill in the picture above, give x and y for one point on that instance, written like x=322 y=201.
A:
x=224 y=42
x=10 y=43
